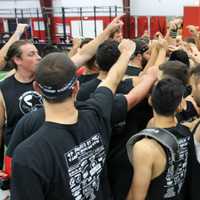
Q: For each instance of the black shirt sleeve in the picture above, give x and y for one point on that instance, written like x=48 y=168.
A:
x=87 y=89
x=125 y=86
x=119 y=110
x=17 y=136
x=26 y=126
x=102 y=101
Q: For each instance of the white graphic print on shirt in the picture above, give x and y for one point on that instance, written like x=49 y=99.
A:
x=30 y=101
x=85 y=163
x=176 y=172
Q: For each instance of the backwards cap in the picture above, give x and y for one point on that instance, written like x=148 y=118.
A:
x=56 y=76
x=141 y=46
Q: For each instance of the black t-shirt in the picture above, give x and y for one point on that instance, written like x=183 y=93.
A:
x=89 y=87
x=26 y=126
x=19 y=98
x=32 y=121
x=86 y=77
x=132 y=71
x=118 y=165
x=66 y=161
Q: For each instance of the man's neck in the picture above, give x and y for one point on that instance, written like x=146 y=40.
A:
x=61 y=113
x=164 y=122
x=24 y=77
x=102 y=75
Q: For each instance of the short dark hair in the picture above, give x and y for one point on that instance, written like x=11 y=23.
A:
x=141 y=47
x=14 y=51
x=107 y=54
x=175 y=69
x=180 y=55
x=166 y=96
x=54 y=73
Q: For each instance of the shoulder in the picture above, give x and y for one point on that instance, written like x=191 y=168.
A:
x=33 y=117
x=5 y=81
x=92 y=83
x=87 y=88
x=146 y=145
x=30 y=146
x=183 y=130
x=23 y=151
x=101 y=96
x=35 y=114
x=145 y=149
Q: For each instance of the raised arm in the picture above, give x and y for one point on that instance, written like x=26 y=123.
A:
x=89 y=50
x=153 y=57
x=76 y=42
x=162 y=52
x=16 y=36
x=116 y=73
x=143 y=88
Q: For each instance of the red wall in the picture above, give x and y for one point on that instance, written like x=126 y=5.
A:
x=156 y=24
x=191 y=17
x=142 y=25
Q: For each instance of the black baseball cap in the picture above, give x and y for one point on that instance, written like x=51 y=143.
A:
x=141 y=46
x=56 y=76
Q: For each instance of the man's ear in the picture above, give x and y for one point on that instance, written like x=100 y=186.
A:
x=149 y=101
x=17 y=60
x=76 y=88
x=36 y=87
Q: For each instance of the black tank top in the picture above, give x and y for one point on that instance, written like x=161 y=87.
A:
x=19 y=98
x=169 y=185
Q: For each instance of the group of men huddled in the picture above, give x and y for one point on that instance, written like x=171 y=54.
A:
x=113 y=119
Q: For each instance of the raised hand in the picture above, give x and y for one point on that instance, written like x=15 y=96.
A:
x=21 y=28
x=115 y=24
x=127 y=46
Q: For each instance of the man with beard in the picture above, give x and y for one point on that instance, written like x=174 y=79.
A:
x=139 y=59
